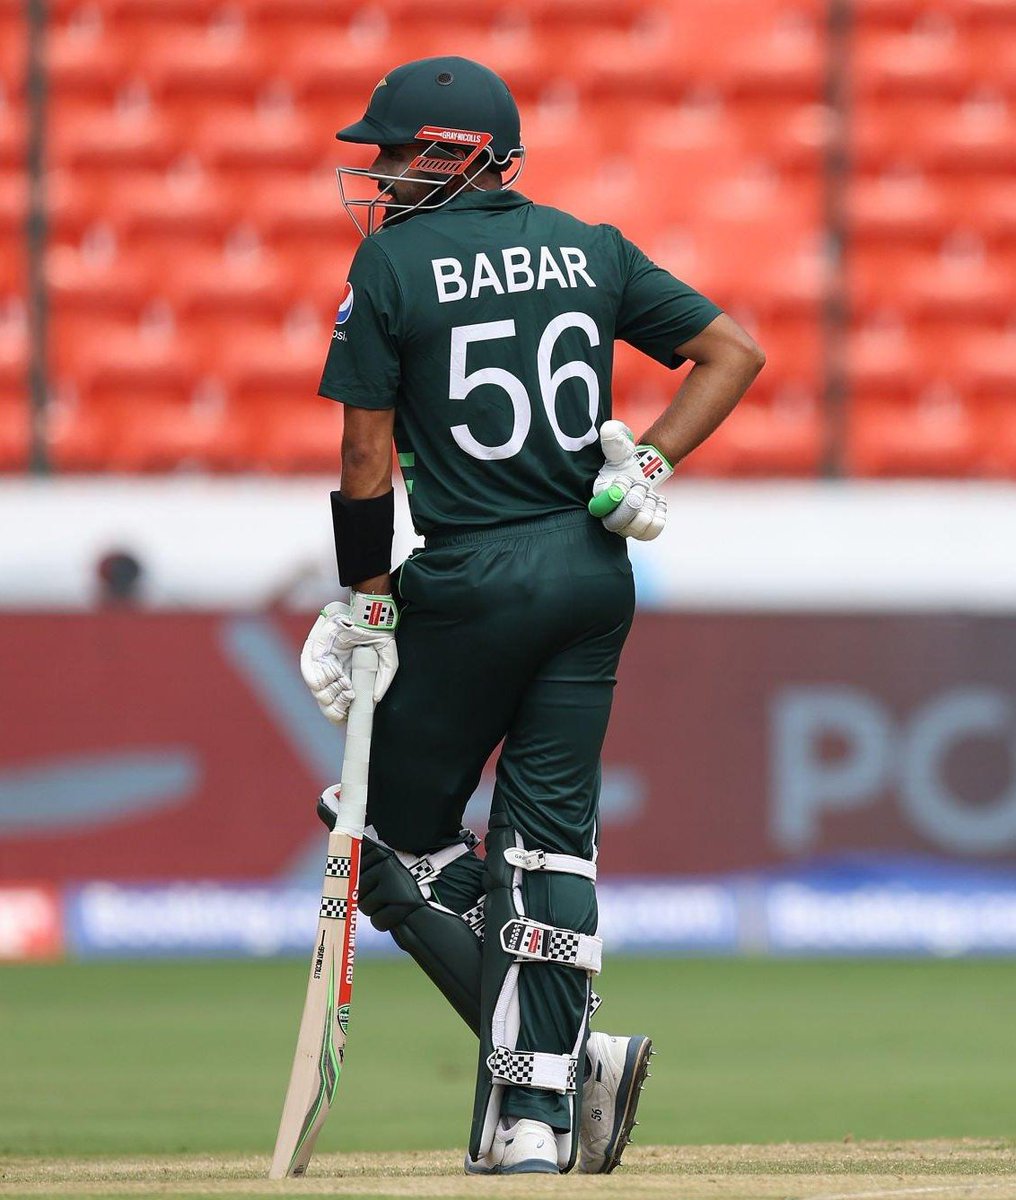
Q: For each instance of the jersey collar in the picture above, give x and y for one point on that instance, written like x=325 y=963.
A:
x=498 y=200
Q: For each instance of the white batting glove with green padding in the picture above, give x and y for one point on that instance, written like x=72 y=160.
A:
x=326 y=662
x=624 y=492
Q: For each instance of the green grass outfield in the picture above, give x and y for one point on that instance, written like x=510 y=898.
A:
x=138 y=1059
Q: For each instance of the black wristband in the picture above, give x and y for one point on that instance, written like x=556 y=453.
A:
x=364 y=530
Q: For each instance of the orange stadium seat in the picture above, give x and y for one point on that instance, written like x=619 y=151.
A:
x=297 y=204
x=904 y=12
x=84 y=58
x=15 y=428
x=318 y=270
x=96 y=276
x=784 y=436
x=255 y=136
x=883 y=356
x=243 y=277
x=281 y=364
x=293 y=433
x=932 y=58
x=786 y=57
x=13 y=266
x=72 y=201
x=271 y=373
x=527 y=58
x=889 y=355
x=163 y=434
x=130 y=133
x=932 y=434
x=13 y=203
x=120 y=10
x=133 y=357
x=792 y=134
x=182 y=200
x=215 y=58
x=976 y=132
x=343 y=65
x=989 y=203
x=77 y=438
x=121 y=432
x=999 y=438
x=993 y=58
x=983 y=357
x=739 y=48
x=13 y=131
x=198 y=244
x=794 y=351
x=13 y=50
x=961 y=277
x=901 y=205
x=14 y=407
x=907 y=205
x=738 y=268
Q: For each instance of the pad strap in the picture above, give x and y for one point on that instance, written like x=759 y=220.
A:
x=543 y=860
x=473 y=917
x=532 y=941
x=533 y=1068
x=427 y=867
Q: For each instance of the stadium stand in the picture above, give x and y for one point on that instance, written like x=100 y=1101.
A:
x=930 y=263
x=197 y=245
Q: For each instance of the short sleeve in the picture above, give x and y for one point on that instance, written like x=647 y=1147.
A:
x=362 y=367
x=658 y=312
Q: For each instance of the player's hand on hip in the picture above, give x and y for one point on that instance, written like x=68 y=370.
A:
x=326 y=661
x=624 y=492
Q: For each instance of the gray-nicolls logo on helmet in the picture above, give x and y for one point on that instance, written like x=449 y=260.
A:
x=440 y=124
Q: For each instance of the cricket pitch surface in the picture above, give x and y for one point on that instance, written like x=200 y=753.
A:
x=965 y=1169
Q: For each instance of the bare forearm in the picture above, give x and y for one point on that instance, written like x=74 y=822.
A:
x=726 y=360
x=705 y=399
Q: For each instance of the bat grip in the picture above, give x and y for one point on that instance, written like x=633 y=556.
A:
x=606 y=501
x=351 y=811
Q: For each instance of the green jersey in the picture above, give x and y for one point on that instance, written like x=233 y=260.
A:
x=488 y=324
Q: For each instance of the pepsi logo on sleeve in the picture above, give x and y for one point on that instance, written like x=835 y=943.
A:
x=345 y=305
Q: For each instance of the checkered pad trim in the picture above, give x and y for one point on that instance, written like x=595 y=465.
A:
x=473 y=917
x=534 y=942
x=522 y=1068
x=423 y=870
x=334 y=909
x=594 y=1002
x=338 y=868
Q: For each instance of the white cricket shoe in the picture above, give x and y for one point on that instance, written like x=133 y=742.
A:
x=610 y=1097
x=524 y=1148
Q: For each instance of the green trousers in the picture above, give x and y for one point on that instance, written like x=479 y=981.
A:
x=508 y=636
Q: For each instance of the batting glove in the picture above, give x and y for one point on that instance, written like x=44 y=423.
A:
x=326 y=662
x=624 y=492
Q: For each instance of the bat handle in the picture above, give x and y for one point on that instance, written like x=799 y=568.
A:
x=606 y=501
x=351 y=811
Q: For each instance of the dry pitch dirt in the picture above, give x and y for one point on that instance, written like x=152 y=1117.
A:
x=940 y=1170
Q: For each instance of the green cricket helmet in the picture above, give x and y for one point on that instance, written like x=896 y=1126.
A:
x=462 y=113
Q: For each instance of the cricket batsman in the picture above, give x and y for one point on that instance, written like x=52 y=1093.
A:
x=476 y=330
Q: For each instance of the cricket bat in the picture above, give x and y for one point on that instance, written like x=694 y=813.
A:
x=321 y=1045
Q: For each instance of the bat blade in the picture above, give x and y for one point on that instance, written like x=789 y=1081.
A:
x=320 y=1047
